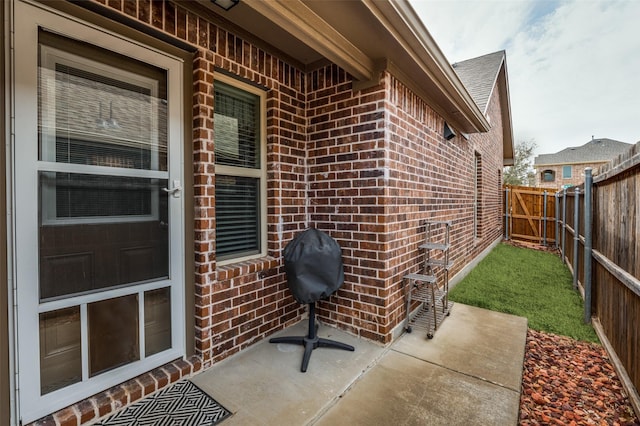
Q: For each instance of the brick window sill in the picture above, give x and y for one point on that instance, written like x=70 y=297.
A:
x=245 y=267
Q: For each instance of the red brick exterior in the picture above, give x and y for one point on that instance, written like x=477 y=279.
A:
x=489 y=146
x=367 y=167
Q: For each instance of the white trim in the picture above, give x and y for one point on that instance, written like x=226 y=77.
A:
x=100 y=170
x=574 y=163
x=239 y=171
x=95 y=296
x=141 y=323
x=9 y=225
x=84 y=338
x=26 y=20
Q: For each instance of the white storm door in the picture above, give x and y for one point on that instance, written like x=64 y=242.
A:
x=98 y=209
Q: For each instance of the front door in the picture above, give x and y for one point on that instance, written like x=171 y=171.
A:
x=98 y=223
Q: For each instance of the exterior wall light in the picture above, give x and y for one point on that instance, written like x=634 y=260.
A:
x=225 y=4
x=449 y=133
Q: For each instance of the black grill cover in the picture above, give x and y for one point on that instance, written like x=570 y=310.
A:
x=313 y=263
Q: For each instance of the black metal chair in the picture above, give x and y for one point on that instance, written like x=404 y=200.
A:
x=313 y=262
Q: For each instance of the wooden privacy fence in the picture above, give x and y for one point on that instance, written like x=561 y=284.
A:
x=599 y=238
x=530 y=214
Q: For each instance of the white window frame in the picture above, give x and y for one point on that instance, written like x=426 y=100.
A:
x=259 y=173
x=564 y=175
x=30 y=405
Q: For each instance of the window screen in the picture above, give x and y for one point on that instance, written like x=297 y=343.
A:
x=566 y=172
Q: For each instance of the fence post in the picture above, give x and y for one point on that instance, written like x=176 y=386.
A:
x=588 y=242
x=544 y=219
x=564 y=222
x=506 y=213
x=576 y=235
x=557 y=221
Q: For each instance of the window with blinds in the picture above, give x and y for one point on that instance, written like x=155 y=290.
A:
x=239 y=172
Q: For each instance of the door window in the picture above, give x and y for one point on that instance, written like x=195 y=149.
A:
x=102 y=153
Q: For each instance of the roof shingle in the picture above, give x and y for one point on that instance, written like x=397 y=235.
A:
x=596 y=150
x=479 y=76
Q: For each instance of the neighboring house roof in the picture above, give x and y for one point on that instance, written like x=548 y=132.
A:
x=594 y=151
x=481 y=76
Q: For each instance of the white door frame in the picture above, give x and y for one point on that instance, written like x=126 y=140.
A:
x=27 y=17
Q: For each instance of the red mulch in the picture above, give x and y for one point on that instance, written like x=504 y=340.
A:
x=567 y=382
x=534 y=246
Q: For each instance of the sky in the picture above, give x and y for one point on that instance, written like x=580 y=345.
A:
x=573 y=66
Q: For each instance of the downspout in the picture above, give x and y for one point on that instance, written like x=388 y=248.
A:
x=588 y=243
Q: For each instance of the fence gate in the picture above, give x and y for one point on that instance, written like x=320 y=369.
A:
x=530 y=214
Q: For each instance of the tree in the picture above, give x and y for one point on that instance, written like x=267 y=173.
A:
x=521 y=173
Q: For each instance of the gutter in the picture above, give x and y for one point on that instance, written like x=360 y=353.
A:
x=401 y=20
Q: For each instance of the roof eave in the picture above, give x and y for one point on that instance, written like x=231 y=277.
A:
x=502 y=82
x=301 y=22
x=569 y=163
x=425 y=68
x=402 y=22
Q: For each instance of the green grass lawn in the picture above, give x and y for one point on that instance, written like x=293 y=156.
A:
x=528 y=283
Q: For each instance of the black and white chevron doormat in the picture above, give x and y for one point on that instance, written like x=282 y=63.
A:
x=181 y=404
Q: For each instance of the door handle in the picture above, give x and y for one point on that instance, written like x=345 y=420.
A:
x=175 y=191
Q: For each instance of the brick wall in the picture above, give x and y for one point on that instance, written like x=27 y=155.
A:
x=577 y=175
x=489 y=145
x=243 y=302
x=431 y=178
x=367 y=167
x=378 y=168
x=346 y=157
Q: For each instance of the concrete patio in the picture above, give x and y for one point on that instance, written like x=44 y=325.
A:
x=469 y=373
